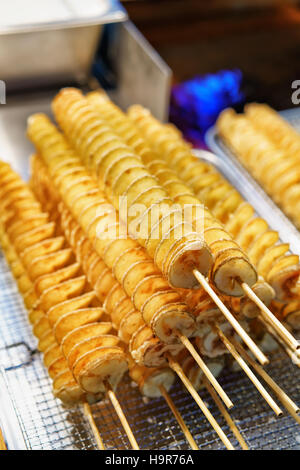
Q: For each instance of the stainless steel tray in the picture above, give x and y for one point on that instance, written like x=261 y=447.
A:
x=234 y=171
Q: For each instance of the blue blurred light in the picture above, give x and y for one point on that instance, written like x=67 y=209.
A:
x=196 y=103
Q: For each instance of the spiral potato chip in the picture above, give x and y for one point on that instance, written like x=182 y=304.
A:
x=126 y=319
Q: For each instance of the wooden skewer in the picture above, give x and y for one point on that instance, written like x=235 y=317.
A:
x=186 y=342
x=248 y=371
x=179 y=418
x=231 y=319
x=89 y=415
x=226 y=415
x=283 y=397
x=266 y=313
x=176 y=367
x=2 y=441
x=115 y=402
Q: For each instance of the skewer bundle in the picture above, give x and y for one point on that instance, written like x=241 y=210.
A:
x=126 y=320
x=151 y=381
x=131 y=266
x=273 y=161
x=69 y=172
x=72 y=110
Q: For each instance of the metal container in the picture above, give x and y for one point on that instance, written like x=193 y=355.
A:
x=61 y=32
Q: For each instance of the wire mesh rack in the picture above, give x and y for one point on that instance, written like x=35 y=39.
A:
x=34 y=419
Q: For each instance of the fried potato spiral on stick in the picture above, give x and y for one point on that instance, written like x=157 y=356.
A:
x=162 y=307
x=64 y=303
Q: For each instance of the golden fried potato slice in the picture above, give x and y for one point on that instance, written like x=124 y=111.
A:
x=90 y=344
x=24 y=283
x=129 y=323
x=51 y=354
x=73 y=320
x=264 y=292
x=35 y=315
x=271 y=254
x=100 y=365
x=41 y=327
x=26 y=225
x=82 y=333
x=148 y=350
x=41 y=249
x=291 y=314
x=261 y=244
x=46 y=340
x=34 y=236
x=230 y=267
x=284 y=275
x=149 y=380
x=62 y=292
x=250 y=231
x=57 y=366
x=70 y=305
x=50 y=263
x=238 y=219
x=49 y=280
x=136 y=272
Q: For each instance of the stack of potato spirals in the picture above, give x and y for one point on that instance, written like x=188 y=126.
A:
x=275 y=157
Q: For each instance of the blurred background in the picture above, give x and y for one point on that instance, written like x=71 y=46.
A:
x=257 y=43
x=259 y=37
